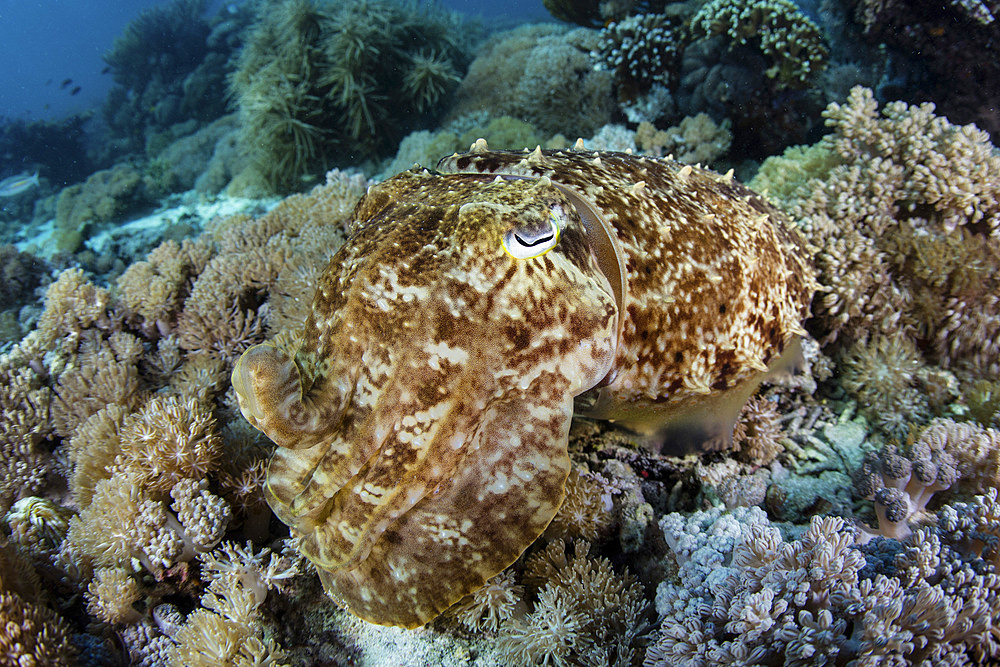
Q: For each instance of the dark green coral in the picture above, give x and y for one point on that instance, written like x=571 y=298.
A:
x=326 y=83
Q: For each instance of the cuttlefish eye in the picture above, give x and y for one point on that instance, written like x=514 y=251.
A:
x=533 y=238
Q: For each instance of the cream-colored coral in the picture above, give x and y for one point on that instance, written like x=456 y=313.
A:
x=586 y=613
x=38 y=524
x=255 y=572
x=881 y=373
x=204 y=515
x=104 y=373
x=152 y=290
x=24 y=423
x=758 y=433
x=121 y=523
x=492 y=605
x=907 y=224
x=697 y=140
x=226 y=631
x=168 y=440
x=111 y=594
x=92 y=450
x=72 y=304
x=586 y=510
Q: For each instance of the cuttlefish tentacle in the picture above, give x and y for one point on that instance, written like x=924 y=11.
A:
x=269 y=390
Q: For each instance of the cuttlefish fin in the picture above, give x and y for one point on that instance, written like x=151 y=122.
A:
x=697 y=425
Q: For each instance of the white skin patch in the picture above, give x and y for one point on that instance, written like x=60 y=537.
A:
x=441 y=350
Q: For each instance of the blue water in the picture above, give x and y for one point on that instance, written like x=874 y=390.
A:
x=44 y=43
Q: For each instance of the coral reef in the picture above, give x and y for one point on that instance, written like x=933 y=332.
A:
x=120 y=394
x=904 y=209
x=541 y=74
x=317 y=81
x=786 y=37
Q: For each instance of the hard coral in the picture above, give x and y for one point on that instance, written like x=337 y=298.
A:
x=788 y=38
x=906 y=216
x=541 y=74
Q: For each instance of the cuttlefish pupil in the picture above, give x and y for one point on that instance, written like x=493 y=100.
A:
x=422 y=413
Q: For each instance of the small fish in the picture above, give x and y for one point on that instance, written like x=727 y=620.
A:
x=65 y=83
x=75 y=91
x=106 y=69
x=17 y=184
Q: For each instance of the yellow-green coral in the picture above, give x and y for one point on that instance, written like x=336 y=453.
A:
x=786 y=36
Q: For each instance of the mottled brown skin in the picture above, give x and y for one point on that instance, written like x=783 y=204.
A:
x=422 y=424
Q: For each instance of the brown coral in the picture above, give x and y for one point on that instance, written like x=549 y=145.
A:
x=169 y=440
x=906 y=217
x=33 y=635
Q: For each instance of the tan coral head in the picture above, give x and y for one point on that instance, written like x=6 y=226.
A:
x=422 y=421
x=422 y=426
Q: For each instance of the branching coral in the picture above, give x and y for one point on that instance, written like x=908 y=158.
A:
x=104 y=373
x=641 y=50
x=151 y=290
x=906 y=216
x=72 y=304
x=585 y=613
x=747 y=596
x=169 y=440
x=787 y=37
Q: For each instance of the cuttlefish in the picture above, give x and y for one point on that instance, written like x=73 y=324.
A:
x=422 y=417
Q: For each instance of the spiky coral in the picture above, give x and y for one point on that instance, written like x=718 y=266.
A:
x=585 y=612
x=31 y=634
x=319 y=79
